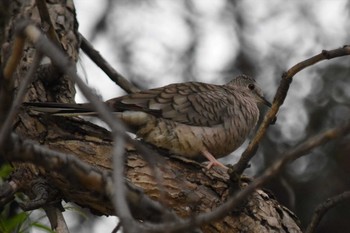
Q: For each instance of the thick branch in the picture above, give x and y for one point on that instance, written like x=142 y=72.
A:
x=83 y=177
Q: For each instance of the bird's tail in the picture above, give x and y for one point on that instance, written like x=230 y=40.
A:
x=133 y=119
x=61 y=109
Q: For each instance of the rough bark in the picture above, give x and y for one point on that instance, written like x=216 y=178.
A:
x=189 y=189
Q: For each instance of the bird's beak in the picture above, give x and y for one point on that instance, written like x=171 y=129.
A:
x=264 y=101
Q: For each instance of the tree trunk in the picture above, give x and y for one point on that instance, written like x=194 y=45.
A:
x=188 y=188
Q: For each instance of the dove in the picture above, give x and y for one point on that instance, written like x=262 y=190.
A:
x=194 y=120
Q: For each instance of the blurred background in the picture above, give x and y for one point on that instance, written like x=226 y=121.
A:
x=157 y=42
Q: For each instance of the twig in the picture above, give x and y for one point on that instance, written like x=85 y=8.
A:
x=57 y=221
x=117 y=227
x=61 y=223
x=6 y=80
x=100 y=26
x=321 y=210
x=95 y=56
x=279 y=98
x=16 y=55
x=45 y=18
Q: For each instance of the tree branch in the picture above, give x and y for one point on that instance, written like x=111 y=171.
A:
x=279 y=98
x=84 y=176
x=321 y=210
x=96 y=57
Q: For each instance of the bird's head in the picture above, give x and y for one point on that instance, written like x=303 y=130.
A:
x=249 y=86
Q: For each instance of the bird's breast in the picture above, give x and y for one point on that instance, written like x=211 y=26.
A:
x=189 y=141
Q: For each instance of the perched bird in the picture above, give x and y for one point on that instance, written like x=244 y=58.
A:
x=191 y=119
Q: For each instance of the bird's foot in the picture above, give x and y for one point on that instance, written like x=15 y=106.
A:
x=216 y=163
x=212 y=160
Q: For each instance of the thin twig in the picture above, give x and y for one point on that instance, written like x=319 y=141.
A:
x=95 y=56
x=116 y=229
x=45 y=18
x=57 y=221
x=321 y=210
x=14 y=59
x=7 y=81
x=279 y=98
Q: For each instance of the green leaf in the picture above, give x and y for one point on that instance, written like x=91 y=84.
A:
x=42 y=227
x=5 y=170
x=10 y=224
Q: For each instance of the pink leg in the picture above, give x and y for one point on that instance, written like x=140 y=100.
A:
x=212 y=160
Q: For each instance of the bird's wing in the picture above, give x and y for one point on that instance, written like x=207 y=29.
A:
x=190 y=103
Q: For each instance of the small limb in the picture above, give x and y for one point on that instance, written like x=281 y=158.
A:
x=115 y=76
x=212 y=160
x=322 y=209
x=55 y=216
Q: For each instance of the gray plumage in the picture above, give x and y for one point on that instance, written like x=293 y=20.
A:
x=190 y=119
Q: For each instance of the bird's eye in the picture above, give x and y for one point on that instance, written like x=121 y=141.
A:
x=251 y=86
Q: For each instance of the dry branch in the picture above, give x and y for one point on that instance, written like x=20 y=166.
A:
x=96 y=57
x=279 y=98
x=322 y=209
